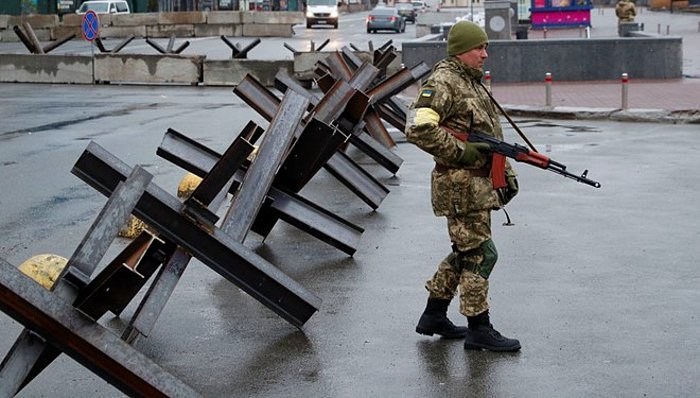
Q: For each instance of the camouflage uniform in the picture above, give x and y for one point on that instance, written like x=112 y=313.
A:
x=625 y=11
x=463 y=194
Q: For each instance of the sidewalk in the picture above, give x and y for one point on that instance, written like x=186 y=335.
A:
x=676 y=101
x=648 y=100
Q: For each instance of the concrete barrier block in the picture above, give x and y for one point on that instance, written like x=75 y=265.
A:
x=169 y=30
x=72 y=20
x=209 y=30
x=267 y=30
x=232 y=72
x=567 y=60
x=77 y=20
x=122 y=31
x=182 y=18
x=139 y=19
x=248 y=17
x=60 y=32
x=140 y=68
x=37 y=21
x=30 y=68
x=8 y=35
x=224 y=17
x=278 y=17
x=4 y=21
x=42 y=34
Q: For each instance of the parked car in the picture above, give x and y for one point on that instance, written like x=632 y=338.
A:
x=105 y=7
x=385 y=18
x=406 y=10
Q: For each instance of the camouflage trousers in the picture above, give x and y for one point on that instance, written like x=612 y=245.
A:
x=468 y=233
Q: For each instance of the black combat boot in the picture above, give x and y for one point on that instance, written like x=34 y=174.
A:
x=482 y=335
x=434 y=321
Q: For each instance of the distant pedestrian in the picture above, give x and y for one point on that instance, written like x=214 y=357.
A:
x=625 y=11
x=464 y=187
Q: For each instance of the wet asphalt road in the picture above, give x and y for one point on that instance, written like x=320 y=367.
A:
x=599 y=285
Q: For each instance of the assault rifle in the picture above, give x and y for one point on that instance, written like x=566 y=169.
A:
x=522 y=154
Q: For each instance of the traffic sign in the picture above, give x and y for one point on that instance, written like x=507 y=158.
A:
x=90 y=25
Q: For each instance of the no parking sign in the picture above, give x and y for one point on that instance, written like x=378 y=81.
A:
x=90 y=25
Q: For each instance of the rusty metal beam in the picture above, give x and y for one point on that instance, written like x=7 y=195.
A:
x=235 y=262
x=287 y=206
x=85 y=341
x=258 y=179
x=351 y=175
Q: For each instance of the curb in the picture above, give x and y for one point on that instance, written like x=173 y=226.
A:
x=616 y=114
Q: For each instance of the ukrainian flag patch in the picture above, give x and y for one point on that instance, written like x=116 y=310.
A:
x=426 y=93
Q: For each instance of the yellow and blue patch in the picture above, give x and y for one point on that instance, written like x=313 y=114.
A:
x=425 y=98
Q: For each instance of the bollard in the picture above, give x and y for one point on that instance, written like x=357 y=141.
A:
x=624 y=80
x=668 y=30
x=487 y=79
x=658 y=28
x=544 y=33
x=548 y=88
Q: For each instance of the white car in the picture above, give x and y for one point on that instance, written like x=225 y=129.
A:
x=420 y=6
x=105 y=7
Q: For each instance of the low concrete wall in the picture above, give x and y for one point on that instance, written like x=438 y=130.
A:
x=568 y=59
x=231 y=72
x=142 y=68
x=29 y=68
x=158 y=25
x=305 y=63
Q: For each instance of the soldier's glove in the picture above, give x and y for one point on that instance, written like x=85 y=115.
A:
x=473 y=152
x=511 y=189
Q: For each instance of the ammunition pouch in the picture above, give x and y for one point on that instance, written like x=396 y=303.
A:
x=480 y=260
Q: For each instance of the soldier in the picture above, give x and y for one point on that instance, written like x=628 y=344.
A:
x=450 y=104
x=625 y=11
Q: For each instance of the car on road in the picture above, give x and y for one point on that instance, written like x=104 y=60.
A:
x=420 y=6
x=105 y=7
x=407 y=11
x=324 y=12
x=385 y=18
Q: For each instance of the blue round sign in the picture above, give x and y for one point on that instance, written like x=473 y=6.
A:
x=91 y=25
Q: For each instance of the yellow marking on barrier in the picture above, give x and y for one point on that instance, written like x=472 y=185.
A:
x=44 y=269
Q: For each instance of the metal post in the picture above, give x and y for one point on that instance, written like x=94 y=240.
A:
x=625 y=83
x=487 y=79
x=548 y=88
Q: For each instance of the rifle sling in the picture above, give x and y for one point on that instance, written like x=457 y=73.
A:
x=512 y=123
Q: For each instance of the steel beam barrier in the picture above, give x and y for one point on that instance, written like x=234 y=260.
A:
x=287 y=206
x=259 y=176
x=235 y=262
x=85 y=341
x=345 y=170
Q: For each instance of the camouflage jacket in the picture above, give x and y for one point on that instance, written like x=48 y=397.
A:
x=454 y=92
x=625 y=11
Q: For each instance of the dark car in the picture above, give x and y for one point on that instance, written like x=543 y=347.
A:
x=385 y=18
x=407 y=11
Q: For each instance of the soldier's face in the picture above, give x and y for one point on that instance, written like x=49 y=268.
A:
x=475 y=57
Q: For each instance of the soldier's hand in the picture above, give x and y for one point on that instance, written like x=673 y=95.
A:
x=512 y=188
x=473 y=152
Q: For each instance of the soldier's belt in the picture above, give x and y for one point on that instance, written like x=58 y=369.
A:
x=482 y=172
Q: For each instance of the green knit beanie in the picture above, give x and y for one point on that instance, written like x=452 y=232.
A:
x=463 y=36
